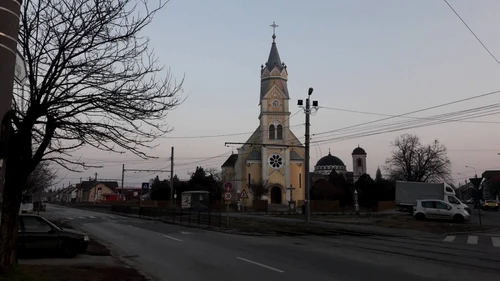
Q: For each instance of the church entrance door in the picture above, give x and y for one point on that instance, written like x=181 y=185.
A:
x=276 y=195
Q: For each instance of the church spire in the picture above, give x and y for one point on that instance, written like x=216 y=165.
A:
x=274 y=57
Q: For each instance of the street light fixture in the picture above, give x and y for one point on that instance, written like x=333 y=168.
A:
x=475 y=170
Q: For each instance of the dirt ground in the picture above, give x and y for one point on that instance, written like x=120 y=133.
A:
x=403 y=221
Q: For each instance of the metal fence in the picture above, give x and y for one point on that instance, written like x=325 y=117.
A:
x=201 y=218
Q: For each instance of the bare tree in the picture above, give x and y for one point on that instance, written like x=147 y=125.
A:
x=42 y=177
x=412 y=161
x=92 y=81
x=259 y=189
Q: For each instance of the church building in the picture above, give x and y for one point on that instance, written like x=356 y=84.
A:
x=272 y=155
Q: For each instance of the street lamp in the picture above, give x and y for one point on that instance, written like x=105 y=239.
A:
x=307 y=110
x=475 y=170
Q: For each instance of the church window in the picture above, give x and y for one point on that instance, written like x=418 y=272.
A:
x=360 y=164
x=279 y=132
x=276 y=161
x=271 y=132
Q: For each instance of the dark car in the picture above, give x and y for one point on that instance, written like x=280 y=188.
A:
x=39 y=236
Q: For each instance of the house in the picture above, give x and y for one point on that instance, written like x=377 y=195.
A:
x=96 y=191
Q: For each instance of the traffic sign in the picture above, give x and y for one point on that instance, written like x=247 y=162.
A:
x=476 y=182
x=228 y=186
x=145 y=186
x=244 y=195
x=228 y=196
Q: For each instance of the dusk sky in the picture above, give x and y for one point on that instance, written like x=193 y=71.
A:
x=387 y=57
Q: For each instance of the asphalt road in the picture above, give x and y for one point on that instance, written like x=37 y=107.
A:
x=175 y=253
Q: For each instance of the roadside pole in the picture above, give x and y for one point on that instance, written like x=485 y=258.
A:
x=477 y=183
x=172 y=197
x=9 y=28
x=123 y=177
x=307 y=135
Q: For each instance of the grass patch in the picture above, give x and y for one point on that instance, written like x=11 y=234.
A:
x=71 y=273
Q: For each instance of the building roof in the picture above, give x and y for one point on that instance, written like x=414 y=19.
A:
x=274 y=58
x=254 y=156
x=330 y=160
x=273 y=61
x=86 y=185
x=295 y=156
x=231 y=161
x=358 y=151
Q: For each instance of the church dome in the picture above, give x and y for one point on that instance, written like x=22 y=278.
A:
x=330 y=160
x=358 y=151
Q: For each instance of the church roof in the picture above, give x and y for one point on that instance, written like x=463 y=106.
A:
x=274 y=58
x=255 y=156
x=295 y=156
x=231 y=161
x=330 y=160
x=358 y=151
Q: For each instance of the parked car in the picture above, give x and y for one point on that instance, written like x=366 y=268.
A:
x=37 y=235
x=490 y=205
x=439 y=209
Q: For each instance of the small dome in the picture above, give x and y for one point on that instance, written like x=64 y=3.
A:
x=330 y=160
x=358 y=151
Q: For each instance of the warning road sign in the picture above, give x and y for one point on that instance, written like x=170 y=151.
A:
x=244 y=195
x=228 y=196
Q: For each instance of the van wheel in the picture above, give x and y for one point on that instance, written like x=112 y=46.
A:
x=420 y=217
x=458 y=218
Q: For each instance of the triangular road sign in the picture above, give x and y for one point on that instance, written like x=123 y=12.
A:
x=244 y=195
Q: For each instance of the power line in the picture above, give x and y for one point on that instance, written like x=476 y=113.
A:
x=466 y=25
x=384 y=128
x=408 y=117
x=411 y=112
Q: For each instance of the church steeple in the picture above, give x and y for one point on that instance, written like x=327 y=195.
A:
x=274 y=56
x=274 y=73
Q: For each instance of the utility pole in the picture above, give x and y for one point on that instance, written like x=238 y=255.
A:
x=9 y=28
x=307 y=111
x=123 y=176
x=172 y=177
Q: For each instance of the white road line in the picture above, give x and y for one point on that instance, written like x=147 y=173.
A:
x=449 y=238
x=91 y=217
x=496 y=241
x=472 y=239
x=170 y=237
x=70 y=218
x=259 y=264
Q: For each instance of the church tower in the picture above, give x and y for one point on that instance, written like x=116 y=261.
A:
x=358 y=162
x=273 y=154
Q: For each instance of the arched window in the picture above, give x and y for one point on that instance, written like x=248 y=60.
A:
x=271 y=132
x=360 y=164
x=279 y=133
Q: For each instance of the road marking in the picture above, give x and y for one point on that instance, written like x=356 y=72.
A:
x=70 y=218
x=185 y=232
x=449 y=238
x=472 y=240
x=259 y=264
x=496 y=241
x=170 y=237
x=91 y=217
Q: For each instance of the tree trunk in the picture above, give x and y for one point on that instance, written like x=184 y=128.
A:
x=12 y=196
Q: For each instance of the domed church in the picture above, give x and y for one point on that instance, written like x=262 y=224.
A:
x=330 y=163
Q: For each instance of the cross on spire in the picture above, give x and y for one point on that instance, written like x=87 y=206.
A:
x=274 y=25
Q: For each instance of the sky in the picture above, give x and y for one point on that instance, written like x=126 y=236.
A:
x=387 y=57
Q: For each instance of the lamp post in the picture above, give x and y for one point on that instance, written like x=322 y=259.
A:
x=475 y=170
x=307 y=110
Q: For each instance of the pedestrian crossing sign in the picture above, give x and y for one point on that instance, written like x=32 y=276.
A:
x=243 y=194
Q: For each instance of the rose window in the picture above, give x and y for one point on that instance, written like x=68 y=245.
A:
x=276 y=161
